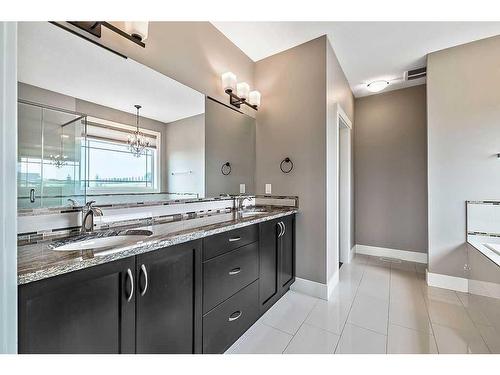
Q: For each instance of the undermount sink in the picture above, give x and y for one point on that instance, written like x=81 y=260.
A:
x=127 y=238
x=252 y=212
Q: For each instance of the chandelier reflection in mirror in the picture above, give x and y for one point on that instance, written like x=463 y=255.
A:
x=137 y=142
x=59 y=160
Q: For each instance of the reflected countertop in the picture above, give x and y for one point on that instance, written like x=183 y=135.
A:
x=37 y=261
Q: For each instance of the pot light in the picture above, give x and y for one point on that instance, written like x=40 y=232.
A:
x=377 y=86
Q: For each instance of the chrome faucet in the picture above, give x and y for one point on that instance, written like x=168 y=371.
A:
x=239 y=199
x=89 y=212
x=72 y=202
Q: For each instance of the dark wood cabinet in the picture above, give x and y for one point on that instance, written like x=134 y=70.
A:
x=223 y=325
x=150 y=303
x=268 y=263
x=168 y=300
x=226 y=274
x=86 y=311
x=287 y=253
x=277 y=259
x=195 y=297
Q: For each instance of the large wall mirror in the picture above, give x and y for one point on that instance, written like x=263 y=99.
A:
x=78 y=124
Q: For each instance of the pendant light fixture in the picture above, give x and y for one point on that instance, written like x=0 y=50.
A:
x=137 y=142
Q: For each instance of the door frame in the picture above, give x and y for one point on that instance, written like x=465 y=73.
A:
x=8 y=187
x=344 y=189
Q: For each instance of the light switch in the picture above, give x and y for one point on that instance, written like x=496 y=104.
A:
x=268 y=189
x=242 y=188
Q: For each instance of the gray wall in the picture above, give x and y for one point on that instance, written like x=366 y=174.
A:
x=292 y=122
x=185 y=151
x=229 y=136
x=391 y=170
x=463 y=140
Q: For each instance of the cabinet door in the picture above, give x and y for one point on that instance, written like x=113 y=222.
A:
x=86 y=311
x=287 y=253
x=268 y=260
x=169 y=300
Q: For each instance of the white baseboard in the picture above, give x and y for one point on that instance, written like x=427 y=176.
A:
x=311 y=288
x=332 y=283
x=411 y=256
x=458 y=284
x=315 y=289
x=352 y=252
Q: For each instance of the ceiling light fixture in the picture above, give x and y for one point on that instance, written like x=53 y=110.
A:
x=377 y=86
x=137 y=142
x=243 y=94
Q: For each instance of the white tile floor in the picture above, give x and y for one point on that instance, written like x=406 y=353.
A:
x=379 y=306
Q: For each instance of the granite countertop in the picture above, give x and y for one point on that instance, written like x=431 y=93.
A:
x=483 y=244
x=37 y=261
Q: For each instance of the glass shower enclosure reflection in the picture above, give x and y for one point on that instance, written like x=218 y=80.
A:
x=51 y=156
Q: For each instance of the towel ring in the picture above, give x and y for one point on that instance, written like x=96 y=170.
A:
x=286 y=160
x=228 y=169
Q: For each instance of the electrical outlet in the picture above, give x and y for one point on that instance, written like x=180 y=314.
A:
x=242 y=188
x=268 y=189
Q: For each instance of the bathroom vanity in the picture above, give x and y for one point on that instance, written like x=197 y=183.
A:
x=196 y=295
x=132 y=235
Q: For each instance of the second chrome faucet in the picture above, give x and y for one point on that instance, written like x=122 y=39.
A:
x=89 y=212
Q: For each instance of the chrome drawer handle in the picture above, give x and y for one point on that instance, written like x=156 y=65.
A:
x=234 y=239
x=131 y=279
x=234 y=316
x=235 y=271
x=145 y=272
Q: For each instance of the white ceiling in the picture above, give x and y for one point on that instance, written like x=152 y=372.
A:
x=367 y=51
x=56 y=60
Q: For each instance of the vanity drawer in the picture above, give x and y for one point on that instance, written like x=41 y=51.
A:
x=223 y=242
x=226 y=323
x=226 y=274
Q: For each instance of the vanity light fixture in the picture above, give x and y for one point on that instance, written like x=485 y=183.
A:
x=377 y=86
x=136 y=32
x=137 y=142
x=243 y=94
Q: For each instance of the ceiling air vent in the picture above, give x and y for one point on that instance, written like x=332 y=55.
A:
x=415 y=74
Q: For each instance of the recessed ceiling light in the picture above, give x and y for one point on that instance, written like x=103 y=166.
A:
x=377 y=86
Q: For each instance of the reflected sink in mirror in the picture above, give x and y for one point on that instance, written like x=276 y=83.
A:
x=96 y=243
